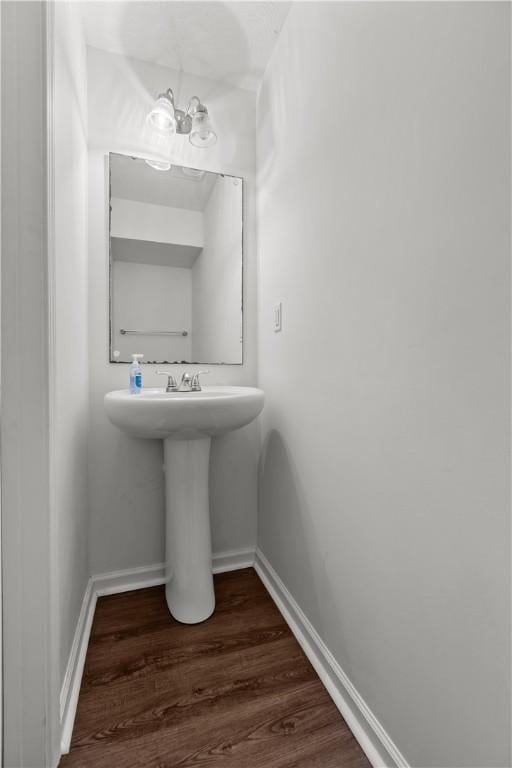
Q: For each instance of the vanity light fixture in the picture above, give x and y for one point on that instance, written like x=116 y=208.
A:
x=201 y=134
x=194 y=121
x=162 y=117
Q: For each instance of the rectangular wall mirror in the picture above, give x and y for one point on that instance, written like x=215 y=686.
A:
x=175 y=264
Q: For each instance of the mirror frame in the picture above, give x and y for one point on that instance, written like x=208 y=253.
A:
x=112 y=360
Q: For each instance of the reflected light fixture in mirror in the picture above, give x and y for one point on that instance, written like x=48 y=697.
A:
x=193 y=121
x=159 y=165
x=192 y=173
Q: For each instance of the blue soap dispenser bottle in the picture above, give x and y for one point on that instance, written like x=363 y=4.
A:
x=136 y=375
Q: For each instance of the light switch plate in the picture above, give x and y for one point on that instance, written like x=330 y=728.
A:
x=278 y=317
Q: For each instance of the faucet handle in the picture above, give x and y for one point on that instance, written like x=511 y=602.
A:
x=196 y=385
x=171 y=381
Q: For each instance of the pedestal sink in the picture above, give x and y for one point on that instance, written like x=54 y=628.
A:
x=186 y=422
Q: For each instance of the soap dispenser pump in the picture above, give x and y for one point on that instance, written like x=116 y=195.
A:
x=136 y=375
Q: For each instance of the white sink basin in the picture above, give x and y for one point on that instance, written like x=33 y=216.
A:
x=186 y=422
x=183 y=415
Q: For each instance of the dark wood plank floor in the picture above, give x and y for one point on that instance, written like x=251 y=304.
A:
x=235 y=691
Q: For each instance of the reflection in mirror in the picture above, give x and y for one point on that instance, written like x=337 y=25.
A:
x=175 y=264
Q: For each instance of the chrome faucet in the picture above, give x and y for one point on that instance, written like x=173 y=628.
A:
x=188 y=383
x=172 y=386
x=185 y=383
x=191 y=383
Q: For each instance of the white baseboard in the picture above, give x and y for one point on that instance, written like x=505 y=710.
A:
x=109 y=584
x=233 y=560
x=75 y=667
x=115 y=582
x=374 y=740
x=153 y=575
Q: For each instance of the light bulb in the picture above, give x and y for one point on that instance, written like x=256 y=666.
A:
x=161 y=117
x=202 y=135
x=159 y=165
x=192 y=173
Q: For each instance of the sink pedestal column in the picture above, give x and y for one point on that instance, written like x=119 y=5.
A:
x=189 y=586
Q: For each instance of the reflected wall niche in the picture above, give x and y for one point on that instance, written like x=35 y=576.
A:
x=176 y=259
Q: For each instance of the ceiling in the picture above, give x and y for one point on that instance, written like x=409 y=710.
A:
x=227 y=41
x=133 y=179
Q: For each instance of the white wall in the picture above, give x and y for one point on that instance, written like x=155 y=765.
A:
x=217 y=277
x=384 y=227
x=1 y=587
x=149 y=296
x=126 y=482
x=30 y=631
x=71 y=370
